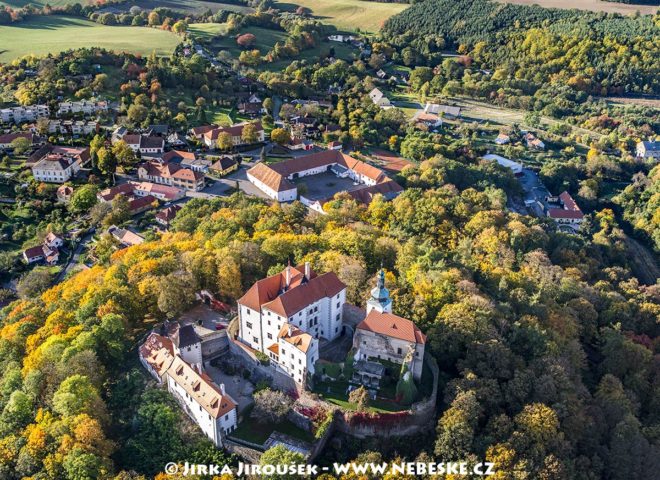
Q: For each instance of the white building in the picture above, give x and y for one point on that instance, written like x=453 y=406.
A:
x=277 y=180
x=379 y=98
x=86 y=107
x=210 y=407
x=384 y=336
x=515 y=167
x=648 y=150
x=449 y=111
x=59 y=164
x=284 y=315
x=23 y=114
x=144 y=144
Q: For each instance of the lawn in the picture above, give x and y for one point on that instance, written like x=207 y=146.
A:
x=593 y=5
x=351 y=15
x=253 y=431
x=205 y=31
x=52 y=34
x=335 y=392
x=265 y=38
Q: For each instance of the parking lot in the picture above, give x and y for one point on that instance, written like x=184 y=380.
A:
x=325 y=185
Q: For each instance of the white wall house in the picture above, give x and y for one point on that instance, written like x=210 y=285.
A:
x=209 y=406
x=284 y=315
x=648 y=150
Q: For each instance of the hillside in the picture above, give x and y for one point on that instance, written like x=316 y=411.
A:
x=51 y=34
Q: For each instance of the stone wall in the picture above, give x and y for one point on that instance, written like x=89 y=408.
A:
x=420 y=417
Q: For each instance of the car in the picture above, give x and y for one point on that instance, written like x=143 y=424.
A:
x=219 y=326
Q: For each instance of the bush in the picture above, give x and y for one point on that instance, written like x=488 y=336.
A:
x=270 y=406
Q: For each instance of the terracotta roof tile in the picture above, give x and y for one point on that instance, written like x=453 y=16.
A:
x=393 y=326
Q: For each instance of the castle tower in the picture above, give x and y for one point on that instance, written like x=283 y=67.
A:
x=380 y=296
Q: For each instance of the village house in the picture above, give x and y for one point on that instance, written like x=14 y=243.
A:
x=567 y=213
x=385 y=336
x=198 y=132
x=430 y=120
x=236 y=132
x=223 y=166
x=276 y=180
x=284 y=315
x=47 y=251
x=142 y=196
x=144 y=144
x=187 y=160
x=166 y=215
x=125 y=237
x=379 y=98
x=448 y=111
x=534 y=142
x=502 y=139
x=7 y=139
x=172 y=174
x=648 y=150
x=57 y=164
x=41 y=252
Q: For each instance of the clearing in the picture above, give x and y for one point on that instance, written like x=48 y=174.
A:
x=592 y=5
x=53 y=34
x=350 y=15
x=194 y=7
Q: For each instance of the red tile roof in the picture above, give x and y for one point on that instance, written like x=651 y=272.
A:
x=393 y=326
x=271 y=292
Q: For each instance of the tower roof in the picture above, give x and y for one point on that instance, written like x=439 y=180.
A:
x=379 y=292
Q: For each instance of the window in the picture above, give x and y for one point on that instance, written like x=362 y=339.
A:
x=227 y=417
x=270 y=337
x=337 y=296
x=248 y=324
x=364 y=342
x=338 y=317
x=336 y=329
x=337 y=304
x=299 y=362
x=291 y=355
x=255 y=339
x=398 y=350
x=316 y=309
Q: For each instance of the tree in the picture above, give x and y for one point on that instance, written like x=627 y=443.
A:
x=77 y=395
x=280 y=455
x=249 y=133
x=177 y=293
x=137 y=113
x=20 y=145
x=271 y=406
x=280 y=135
x=224 y=141
x=120 y=211
x=180 y=27
x=359 y=397
x=246 y=40
x=456 y=427
x=80 y=465
x=124 y=154
x=153 y=19
x=107 y=162
x=33 y=283
x=83 y=198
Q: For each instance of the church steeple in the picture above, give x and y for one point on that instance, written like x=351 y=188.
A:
x=380 y=296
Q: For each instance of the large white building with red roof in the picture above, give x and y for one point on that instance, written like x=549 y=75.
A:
x=176 y=361
x=284 y=316
x=277 y=180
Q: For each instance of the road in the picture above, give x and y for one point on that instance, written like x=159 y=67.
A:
x=75 y=258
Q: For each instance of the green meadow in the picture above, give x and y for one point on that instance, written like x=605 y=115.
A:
x=53 y=34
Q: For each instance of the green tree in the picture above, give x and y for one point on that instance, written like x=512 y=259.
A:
x=33 y=283
x=77 y=395
x=224 y=141
x=20 y=145
x=83 y=198
x=249 y=133
x=280 y=135
x=280 y=455
x=107 y=162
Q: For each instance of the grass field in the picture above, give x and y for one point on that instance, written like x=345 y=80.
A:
x=593 y=5
x=42 y=35
x=348 y=15
x=188 y=6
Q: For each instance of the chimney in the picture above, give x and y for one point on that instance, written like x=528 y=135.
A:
x=290 y=329
x=307 y=271
x=222 y=388
x=288 y=275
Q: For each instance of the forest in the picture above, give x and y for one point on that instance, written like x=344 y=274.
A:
x=546 y=341
x=533 y=45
